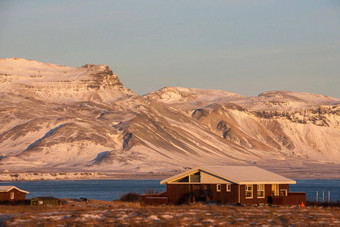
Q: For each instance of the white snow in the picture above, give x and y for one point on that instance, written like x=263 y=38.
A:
x=56 y=116
x=57 y=83
x=154 y=218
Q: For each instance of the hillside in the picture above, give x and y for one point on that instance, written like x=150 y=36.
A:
x=62 y=118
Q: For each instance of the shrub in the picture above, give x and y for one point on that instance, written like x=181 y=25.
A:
x=130 y=197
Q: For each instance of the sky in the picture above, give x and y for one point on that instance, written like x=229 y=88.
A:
x=246 y=47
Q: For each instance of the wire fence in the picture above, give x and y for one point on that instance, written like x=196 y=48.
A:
x=321 y=196
x=318 y=191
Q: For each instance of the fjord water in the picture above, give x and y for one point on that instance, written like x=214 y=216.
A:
x=112 y=189
x=320 y=188
x=91 y=189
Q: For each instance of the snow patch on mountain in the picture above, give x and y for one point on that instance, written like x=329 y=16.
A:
x=83 y=119
x=60 y=84
x=189 y=98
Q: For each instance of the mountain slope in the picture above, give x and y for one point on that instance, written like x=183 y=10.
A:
x=62 y=84
x=56 y=117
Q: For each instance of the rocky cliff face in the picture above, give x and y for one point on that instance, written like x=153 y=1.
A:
x=320 y=115
x=62 y=84
x=58 y=117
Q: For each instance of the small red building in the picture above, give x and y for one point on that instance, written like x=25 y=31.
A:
x=231 y=184
x=12 y=194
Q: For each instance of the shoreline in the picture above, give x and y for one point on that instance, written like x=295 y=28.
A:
x=73 y=176
x=87 y=175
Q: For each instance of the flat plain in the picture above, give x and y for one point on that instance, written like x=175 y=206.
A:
x=117 y=213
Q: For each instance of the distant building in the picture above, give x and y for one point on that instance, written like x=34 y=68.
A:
x=12 y=194
x=47 y=200
x=230 y=184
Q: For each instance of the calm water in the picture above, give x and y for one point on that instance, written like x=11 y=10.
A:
x=91 y=189
x=111 y=189
x=311 y=186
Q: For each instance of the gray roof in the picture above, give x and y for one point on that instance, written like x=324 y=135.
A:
x=8 y=188
x=238 y=175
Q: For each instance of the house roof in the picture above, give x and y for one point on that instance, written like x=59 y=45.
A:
x=238 y=175
x=8 y=188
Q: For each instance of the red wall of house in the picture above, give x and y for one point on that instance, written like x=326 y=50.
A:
x=178 y=193
x=5 y=196
x=184 y=193
x=255 y=200
x=223 y=196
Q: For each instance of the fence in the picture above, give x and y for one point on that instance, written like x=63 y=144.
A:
x=154 y=199
x=318 y=191
x=321 y=196
x=293 y=198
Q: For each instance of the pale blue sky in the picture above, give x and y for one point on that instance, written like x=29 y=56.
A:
x=246 y=47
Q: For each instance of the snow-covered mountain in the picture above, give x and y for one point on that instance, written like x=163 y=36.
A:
x=60 y=84
x=57 y=117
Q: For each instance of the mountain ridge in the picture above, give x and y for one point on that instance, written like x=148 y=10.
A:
x=92 y=122
x=58 y=83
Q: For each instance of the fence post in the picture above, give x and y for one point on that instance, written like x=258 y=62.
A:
x=323 y=196
x=317 y=196
x=329 y=197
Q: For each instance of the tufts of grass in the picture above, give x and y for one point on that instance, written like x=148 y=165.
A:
x=130 y=197
x=118 y=213
x=326 y=204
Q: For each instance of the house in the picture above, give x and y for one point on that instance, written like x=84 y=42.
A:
x=46 y=200
x=12 y=194
x=231 y=184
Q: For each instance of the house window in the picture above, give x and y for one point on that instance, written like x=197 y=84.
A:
x=195 y=177
x=183 y=179
x=218 y=187
x=283 y=192
x=275 y=189
x=11 y=195
x=249 y=191
x=260 y=191
x=228 y=187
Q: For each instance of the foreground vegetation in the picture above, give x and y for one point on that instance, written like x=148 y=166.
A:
x=118 y=213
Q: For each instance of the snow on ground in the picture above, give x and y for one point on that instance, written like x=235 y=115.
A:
x=97 y=213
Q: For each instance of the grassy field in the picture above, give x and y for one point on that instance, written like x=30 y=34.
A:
x=117 y=213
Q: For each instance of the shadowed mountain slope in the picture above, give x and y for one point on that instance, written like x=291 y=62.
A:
x=58 y=117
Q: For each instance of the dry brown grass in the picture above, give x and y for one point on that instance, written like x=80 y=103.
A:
x=117 y=213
